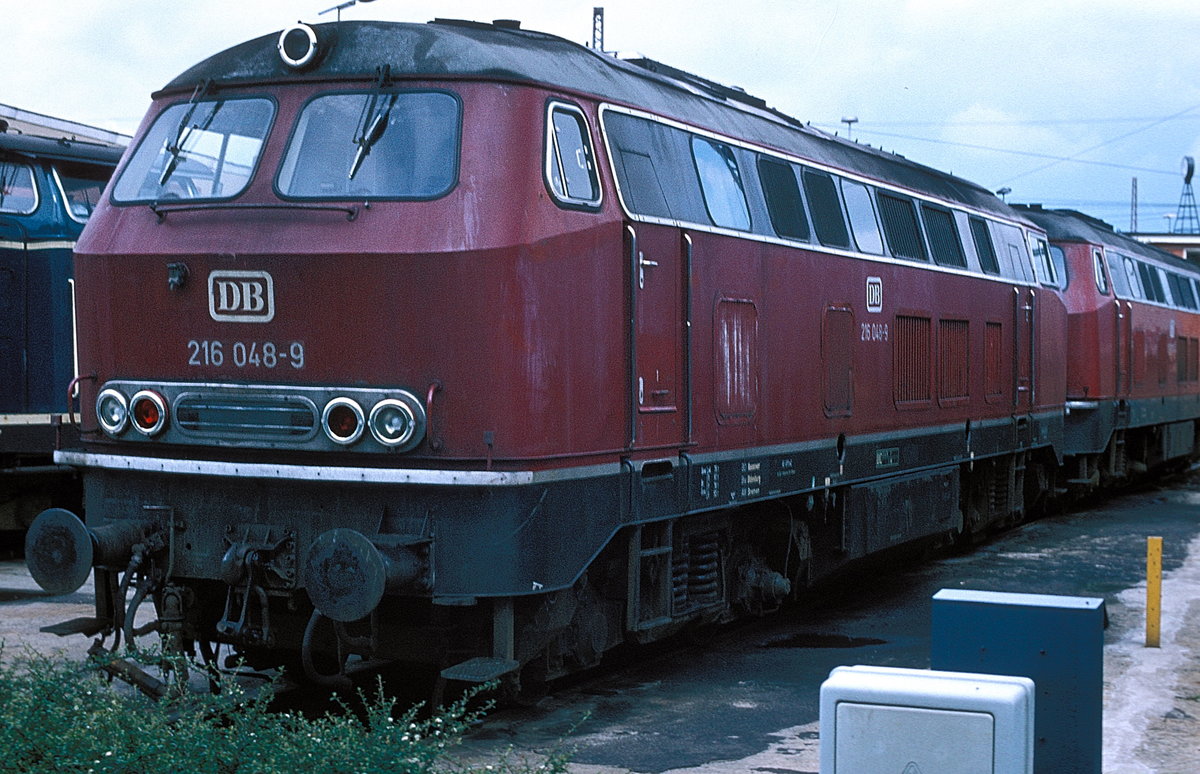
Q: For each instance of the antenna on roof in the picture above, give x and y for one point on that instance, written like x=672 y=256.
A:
x=1187 y=221
x=340 y=6
x=598 y=28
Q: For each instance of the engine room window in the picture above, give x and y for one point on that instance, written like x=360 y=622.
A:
x=901 y=227
x=826 y=208
x=570 y=163
x=943 y=236
x=17 y=192
x=784 y=203
x=1151 y=283
x=199 y=150
x=862 y=217
x=721 y=184
x=1181 y=291
x=983 y=246
x=382 y=144
x=1131 y=275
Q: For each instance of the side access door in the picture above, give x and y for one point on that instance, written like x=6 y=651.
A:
x=659 y=403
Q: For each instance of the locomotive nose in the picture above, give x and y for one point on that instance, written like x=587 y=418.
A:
x=60 y=550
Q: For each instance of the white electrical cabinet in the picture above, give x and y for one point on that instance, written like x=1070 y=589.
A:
x=883 y=720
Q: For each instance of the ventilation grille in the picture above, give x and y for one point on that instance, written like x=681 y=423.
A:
x=911 y=365
x=954 y=353
x=993 y=364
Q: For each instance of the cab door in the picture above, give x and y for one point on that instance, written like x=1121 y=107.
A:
x=1024 y=347
x=658 y=401
x=1123 y=312
x=13 y=283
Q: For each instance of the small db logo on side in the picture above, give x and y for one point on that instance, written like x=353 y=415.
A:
x=241 y=296
x=874 y=294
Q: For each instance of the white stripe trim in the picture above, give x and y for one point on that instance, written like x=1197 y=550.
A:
x=29 y=419
x=333 y=474
x=49 y=244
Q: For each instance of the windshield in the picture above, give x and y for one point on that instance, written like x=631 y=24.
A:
x=392 y=144
x=198 y=150
x=81 y=186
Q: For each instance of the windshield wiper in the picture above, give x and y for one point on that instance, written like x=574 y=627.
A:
x=183 y=132
x=374 y=132
x=374 y=120
x=5 y=180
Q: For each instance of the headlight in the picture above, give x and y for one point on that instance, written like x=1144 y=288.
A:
x=112 y=411
x=149 y=412
x=342 y=420
x=392 y=422
x=398 y=423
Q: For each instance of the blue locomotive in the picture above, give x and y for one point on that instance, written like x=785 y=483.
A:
x=48 y=188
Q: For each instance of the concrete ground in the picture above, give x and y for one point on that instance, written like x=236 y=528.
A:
x=1151 y=696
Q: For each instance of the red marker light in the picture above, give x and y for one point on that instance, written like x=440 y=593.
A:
x=145 y=413
x=148 y=410
x=343 y=420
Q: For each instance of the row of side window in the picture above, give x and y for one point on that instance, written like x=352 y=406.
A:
x=1147 y=282
x=666 y=172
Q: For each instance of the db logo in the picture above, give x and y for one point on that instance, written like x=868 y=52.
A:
x=874 y=294
x=241 y=296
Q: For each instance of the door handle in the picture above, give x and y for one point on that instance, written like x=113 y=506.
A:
x=642 y=264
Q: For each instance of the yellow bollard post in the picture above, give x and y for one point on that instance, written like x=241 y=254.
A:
x=1153 y=590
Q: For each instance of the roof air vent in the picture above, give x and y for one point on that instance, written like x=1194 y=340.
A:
x=507 y=24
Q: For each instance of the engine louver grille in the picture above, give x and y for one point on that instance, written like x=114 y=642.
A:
x=246 y=416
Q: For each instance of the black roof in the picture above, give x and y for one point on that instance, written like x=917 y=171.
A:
x=60 y=149
x=441 y=48
x=1073 y=226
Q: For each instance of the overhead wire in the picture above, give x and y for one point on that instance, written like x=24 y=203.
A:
x=1052 y=158
x=992 y=149
x=1110 y=141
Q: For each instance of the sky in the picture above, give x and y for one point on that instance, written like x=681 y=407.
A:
x=1062 y=101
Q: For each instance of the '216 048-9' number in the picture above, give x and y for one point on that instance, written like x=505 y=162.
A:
x=245 y=354
x=873 y=331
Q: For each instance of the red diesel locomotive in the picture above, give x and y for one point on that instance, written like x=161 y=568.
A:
x=464 y=344
x=1133 y=358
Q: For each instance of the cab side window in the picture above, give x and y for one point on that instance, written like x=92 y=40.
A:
x=1098 y=269
x=570 y=162
x=17 y=192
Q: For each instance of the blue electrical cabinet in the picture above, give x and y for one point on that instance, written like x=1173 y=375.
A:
x=1056 y=641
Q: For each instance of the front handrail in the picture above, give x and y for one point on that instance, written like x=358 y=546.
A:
x=162 y=211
